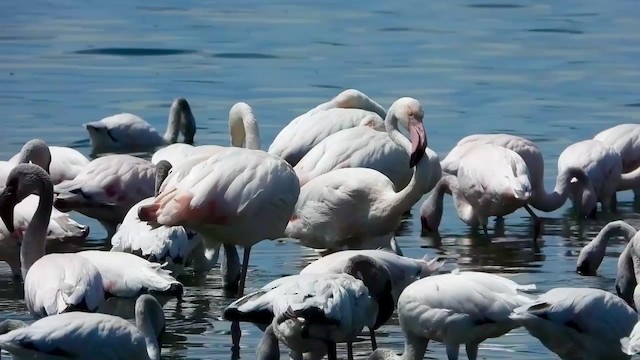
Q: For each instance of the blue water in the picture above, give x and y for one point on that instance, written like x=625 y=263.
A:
x=555 y=72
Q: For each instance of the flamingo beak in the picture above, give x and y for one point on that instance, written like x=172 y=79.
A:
x=418 y=137
x=8 y=200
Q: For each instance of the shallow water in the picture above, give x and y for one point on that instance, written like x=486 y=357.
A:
x=555 y=72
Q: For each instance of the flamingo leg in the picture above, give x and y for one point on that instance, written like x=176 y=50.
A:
x=613 y=203
x=537 y=223
x=230 y=268
x=245 y=265
x=472 y=351
x=331 y=351
x=350 y=350
x=374 y=343
x=452 y=351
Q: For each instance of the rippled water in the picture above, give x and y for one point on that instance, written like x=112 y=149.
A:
x=553 y=71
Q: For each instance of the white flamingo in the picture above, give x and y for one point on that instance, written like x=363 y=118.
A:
x=603 y=165
x=53 y=283
x=455 y=309
x=346 y=207
x=80 y=335
x=63 y=163
x=631 y=344
x=162 y=244
x=624 y=138
x=348 y=109
x=530 y=153
x=366 y=147
x=481 y=191
x=336 y=304
x=179 y=152
x=578 y=323
x=128 y=132
x=107 y=188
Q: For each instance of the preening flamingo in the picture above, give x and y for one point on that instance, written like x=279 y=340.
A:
x=454 y=309
x=348 y=109
x=624 y=138
x=336 y=304
x=345 y=207
x=107 y=188
x=128 y=132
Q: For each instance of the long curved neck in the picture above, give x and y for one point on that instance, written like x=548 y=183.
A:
x=463 y=208
x=403 y=200
x=35 y=237
x=268 y=346
x=173 y=125
x=391 y=126
x=630 y=180
x=547 y=202
x=599 y=244
x=244 y=131
x=150 y=337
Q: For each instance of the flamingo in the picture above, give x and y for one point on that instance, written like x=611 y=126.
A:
x=591 y=256
x=345 y=207
x=238 y=196
x=454 y=309
x=178 y=152
x=631 y=344
x=62 y=163
x=366 y=147
x=530 y=153
x=348 y=109
x=107 y=188
x=170 y=244
x=603 y=165
x=128 y=132
x=79 y=335
x=403 y=270
x=53 y=283
x=624 y=138
x=578 y=323
x=339 y=304
x=481 y=191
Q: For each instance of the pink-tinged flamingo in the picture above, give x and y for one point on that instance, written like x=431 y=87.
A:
x=345 y=207
x=348 y=109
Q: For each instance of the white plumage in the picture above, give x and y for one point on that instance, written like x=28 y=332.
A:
x=346 y=207
x=579 y=323
x=79 y=335
x=454 y=309
x=624 y=138
x=128 y=132
x=348 y=109
x=107 y=188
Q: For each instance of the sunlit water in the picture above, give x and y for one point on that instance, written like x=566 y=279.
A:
x=553 y=71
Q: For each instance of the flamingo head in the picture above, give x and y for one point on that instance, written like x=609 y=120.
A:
x=410 y=115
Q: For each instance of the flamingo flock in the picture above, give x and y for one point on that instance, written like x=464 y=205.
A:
x=337 y=179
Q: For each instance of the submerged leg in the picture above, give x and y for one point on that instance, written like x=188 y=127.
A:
x=350 y=350
x=452 y=351
x=331 y=351
x=245 y=265
x=537 y=223
x=374 y=343
x=230 y=268
x=613 y=203
x=472 y=351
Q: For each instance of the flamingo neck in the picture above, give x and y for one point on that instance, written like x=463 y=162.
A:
x=243 y=127
x=548 y=202
x=403 y=200
x=626 y=276
x=268 y=346
x=630 y=180
x=463 y=208
x=598 y=246
x=180 y=120
x=150 y=337
x=35 y=237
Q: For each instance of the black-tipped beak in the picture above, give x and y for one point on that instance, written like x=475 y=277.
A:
x=418 y=137
x=8 y=200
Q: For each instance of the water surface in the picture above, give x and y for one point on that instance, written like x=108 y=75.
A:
x=555 y=72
